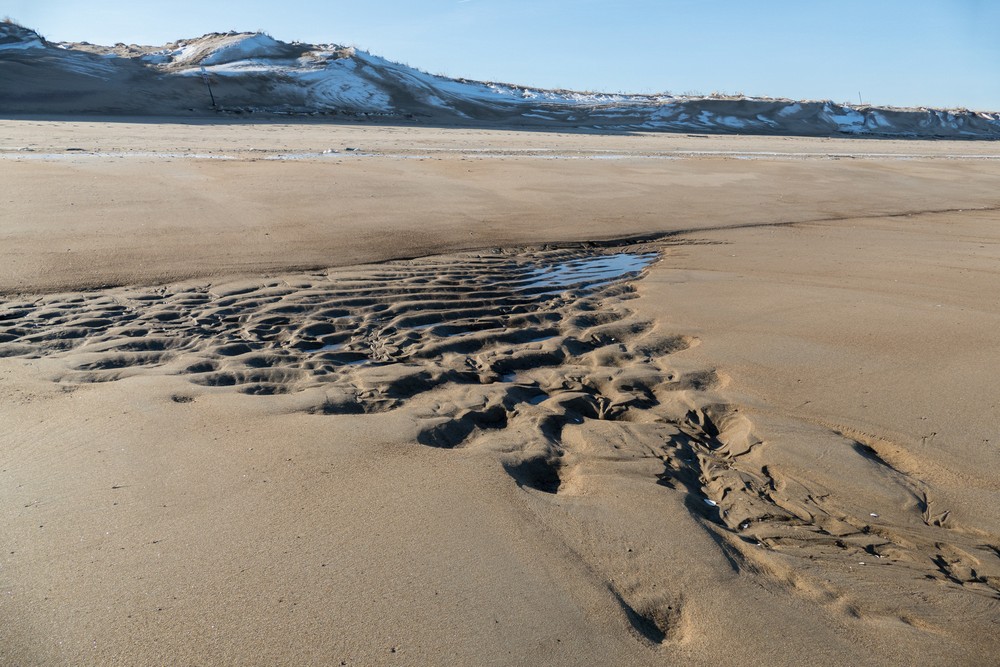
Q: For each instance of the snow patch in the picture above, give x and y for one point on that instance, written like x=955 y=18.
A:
x=731 y=121
x=790 y=110
x=22 y=46
x=845 y=118
x=253 y=46
x=340 y=86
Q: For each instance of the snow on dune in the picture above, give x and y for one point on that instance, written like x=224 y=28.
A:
x=265 y=74
x=441 y=91
x=225 y=49
x=790 y=110
x=845 y=119
x=320 y=78
x=15 y=38
x=339 y=85
x=186 y=54
x=253 y=46
x=158 y=58
x=19 y=42
x=18 y=45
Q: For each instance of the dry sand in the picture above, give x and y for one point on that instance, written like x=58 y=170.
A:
x=251 y=445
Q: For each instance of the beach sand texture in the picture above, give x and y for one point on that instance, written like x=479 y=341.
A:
x=495 y=397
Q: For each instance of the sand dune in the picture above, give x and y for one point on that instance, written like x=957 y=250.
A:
x=763 y=432
x=239 y=74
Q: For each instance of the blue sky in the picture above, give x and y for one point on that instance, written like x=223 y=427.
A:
x=900 y=52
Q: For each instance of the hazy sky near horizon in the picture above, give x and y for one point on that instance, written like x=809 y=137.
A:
x=897 y=52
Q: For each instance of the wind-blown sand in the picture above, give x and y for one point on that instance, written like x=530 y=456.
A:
x=241 y=427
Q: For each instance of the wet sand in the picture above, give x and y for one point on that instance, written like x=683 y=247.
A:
x=258 y=442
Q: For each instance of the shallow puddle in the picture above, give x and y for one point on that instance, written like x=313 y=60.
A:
x=587 y=272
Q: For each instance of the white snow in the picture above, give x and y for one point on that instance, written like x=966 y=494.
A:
x=253 y=46
x=731 y=121
x=438 y=89
x=847 y=120
x=241 y=67
x=435 y=101
x=339 y=85
x=21 y=46
x=876 y=120
x=790 y=110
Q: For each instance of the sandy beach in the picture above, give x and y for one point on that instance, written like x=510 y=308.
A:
x=310 y=393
